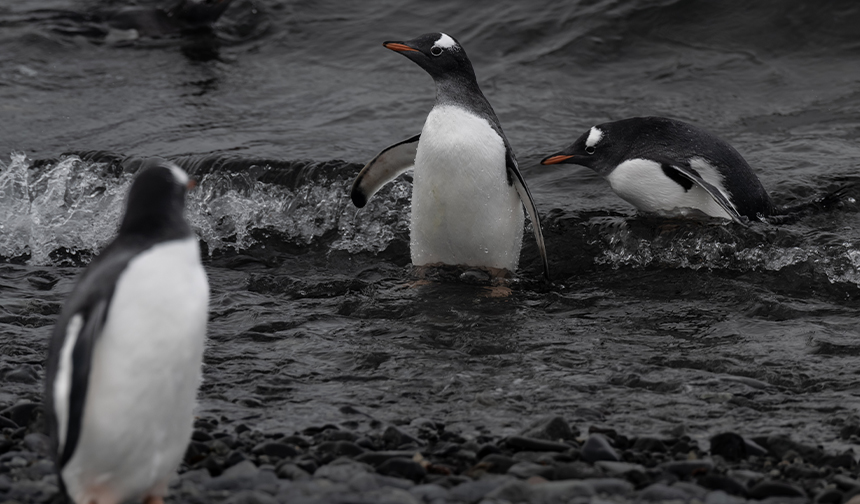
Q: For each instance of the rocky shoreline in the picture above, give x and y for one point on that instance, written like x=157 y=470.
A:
x=419 y=461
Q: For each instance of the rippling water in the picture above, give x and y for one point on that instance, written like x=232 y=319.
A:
x=650 y=324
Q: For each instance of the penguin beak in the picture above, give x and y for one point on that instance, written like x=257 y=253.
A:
x=398 y=46
x=559 y=158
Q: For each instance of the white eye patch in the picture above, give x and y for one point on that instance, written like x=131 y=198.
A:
x=594 y=136
x=445 y=42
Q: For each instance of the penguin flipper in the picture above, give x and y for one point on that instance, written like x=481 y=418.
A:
x=688 y=172
x=90 y=322
x=383 y=168
x=526 y=197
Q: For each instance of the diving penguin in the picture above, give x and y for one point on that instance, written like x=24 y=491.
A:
x=467 y=193
x=663 y=165
x=125 y=358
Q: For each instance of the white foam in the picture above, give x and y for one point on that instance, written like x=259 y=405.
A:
x=594 y=136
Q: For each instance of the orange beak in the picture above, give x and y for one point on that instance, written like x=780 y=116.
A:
x=191 y=184
x=555 y=159
x=397 y=46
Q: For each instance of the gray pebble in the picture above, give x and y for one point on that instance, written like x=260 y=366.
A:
x=473 y=491
x=402 y=468
x=341 y=470
x=618 y=468
x=292 y=472
x=720 y=497
x=430 y=493
x=534 y=444
x=379 y=457
x=687 y=468
x=251 y=497
x=611 y=486
x=551 y=429
x=598 y=448
x=526 y=470
x=660 y=492
x=390 y=495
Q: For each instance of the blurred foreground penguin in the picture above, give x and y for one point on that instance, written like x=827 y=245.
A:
x=662 y=165
x=468 y=193
x=125 y=357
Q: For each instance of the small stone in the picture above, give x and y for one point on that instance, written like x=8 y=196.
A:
x=38 y=443
x=767 y=489
x=341 y=470
x=235 y=457
x=611 y=486
x=21 y=412
x=430 y=493
x=7 y=423
x=846 y=483
x=474 y=491
x=598 y=448
x=612 y=468
x=276 y=450
x=525 y=470
x=720 y=497
x=647 y=444
x=660 y=492
x=23 y=374
x=251 y=497
x=292 y=472
x=497 y=463
x=241 y=476
x=200 y=435
x=402 y=468
x=779 y=446
x=729 y=445
x=378 y=458
x=551 y=429
x=195 y=452
x=534 y=444
x=687 y=468
x=576 y=470
x=394 y=437
x=829 y=496
x=724 y=483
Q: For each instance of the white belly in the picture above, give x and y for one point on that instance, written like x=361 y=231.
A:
x=144 y=377
x=463 y=210
x=643 y=184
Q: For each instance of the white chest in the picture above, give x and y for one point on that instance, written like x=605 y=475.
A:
x=643 y=184
x=463 y=209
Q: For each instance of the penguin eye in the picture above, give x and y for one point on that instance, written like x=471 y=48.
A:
x=589 y=149
x=436 y=50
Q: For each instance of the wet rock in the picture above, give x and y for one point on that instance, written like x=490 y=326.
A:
x=377 y=458
x=241 y=476
x=687 y=468
x=550 y=429
x=646 y=444
x=526 y=470
x=430 y=493
x=845 y=460
x=276 y=450
x=251 y=497
x=767 y=489
x=660 y=492
x=720 y=497
x=7 y=423
x=723 y=483
x=611 y=468
x=290 y=471
x=846 y=483
x=331 y=450
x=598 y=448
x=611 y=486
x=576 y=470
x=365 y=482
x=497 y=463
x=395 y=438
x=201 y=435
x=729 y=445
x=692 y=490
x=38 y=443
x=390 y=495
x=21 y=412
x=473 y=491
x=534 y=444
x=402 y=468
x=342 y=470
x=23 y=374
x=779 y=446
x=829 y=496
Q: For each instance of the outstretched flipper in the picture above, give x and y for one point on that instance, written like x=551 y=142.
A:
x=388 y=164
x=526 y=197
x=688 y=172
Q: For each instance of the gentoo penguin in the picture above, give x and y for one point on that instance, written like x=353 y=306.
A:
x=125 y=357
x=467 y=193
x=662 y=165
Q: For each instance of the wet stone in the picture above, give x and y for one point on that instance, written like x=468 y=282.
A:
x=720 y=497
x=275 y=449
x=779 y=446
x=612 y=468
x=394 y=438
x=687 y=468
x=474 y=491
x=767 y=489
x=551 y=429
x=200 y=435
x=402 y=468
x=378 y=458
x=534 y=444
x=290 y=471
x=20 y=413
x=646 y=444
x=724 y=483
x=526 y=470
x=430 y=493
x=598 y=448
x=576 y=470
x=661 y=492
x=829 y=496
x=497 y=463
x=251 y=497
x=342 y=470
x=729 y=445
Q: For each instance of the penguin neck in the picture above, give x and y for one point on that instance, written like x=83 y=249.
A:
x=464 y=92
x=155 y=225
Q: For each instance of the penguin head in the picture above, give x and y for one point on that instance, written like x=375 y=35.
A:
x=156 y=198
x=594 y=149
x=437 y=53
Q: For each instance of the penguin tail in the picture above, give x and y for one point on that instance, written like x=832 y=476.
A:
x=826 y=202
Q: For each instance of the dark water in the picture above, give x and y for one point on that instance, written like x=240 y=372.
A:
x=650 y=325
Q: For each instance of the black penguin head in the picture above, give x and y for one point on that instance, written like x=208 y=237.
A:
x=437 y=53
x=594 y=149
x=156 y=200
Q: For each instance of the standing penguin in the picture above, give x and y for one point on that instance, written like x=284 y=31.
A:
x=661 y=165
x=467 y=193
x=124 y=360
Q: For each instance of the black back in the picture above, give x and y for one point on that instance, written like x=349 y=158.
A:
x=154 y=214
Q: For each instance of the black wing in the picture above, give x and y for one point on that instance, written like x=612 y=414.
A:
x=384 y=167
x=687 y=172
x=519 y=183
